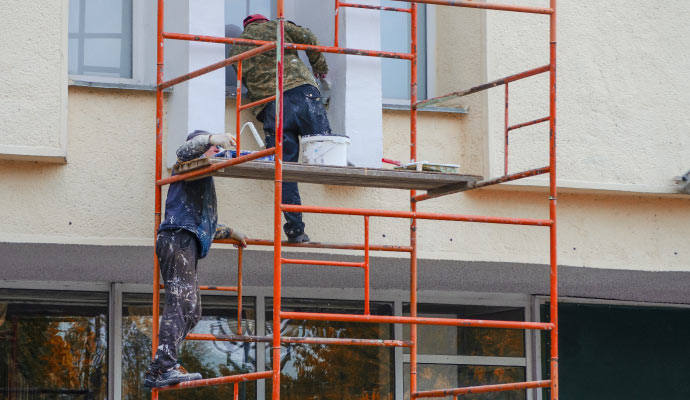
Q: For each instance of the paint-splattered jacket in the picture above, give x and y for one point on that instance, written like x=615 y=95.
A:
x=259 y=72
x=192 y=205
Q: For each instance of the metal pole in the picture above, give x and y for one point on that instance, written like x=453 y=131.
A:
x=239 y=289
x=366 y=265
x=552 y=205
x=505 y=133
x=337 y=23
x=280 y=52
x=413 y=193
x=238 y=109
x=158 y=175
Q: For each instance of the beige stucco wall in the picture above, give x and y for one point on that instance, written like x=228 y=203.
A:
x=33 y=80
x=104 y=195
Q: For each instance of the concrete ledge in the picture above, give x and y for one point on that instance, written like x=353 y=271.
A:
x=133 y=265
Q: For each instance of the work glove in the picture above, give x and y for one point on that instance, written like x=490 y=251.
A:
x=223 y=140
x=224 y=232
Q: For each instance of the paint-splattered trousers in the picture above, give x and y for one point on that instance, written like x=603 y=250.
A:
x=304 y=116
x=177 y=256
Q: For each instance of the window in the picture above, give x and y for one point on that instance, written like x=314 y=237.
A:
x=235 y=12
x=53 y=344
x=451 y=357
x=328 y=372
x=100 y=38
x=211 y=359
x=395 y=36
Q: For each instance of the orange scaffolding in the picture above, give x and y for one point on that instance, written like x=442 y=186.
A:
x=413 y=215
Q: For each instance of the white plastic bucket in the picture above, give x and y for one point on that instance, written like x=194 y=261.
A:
x=325 y=150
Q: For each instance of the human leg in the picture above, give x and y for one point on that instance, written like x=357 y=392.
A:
x=177 y=257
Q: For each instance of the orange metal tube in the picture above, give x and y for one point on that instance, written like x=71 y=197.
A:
x=291 y=46
x=301 y=340
x=323 y=262
x=257 y=103
x=487 y=182
x=530 y=123
x=235 y=391
x=277 y=250
x=239 y=291
x=381 y=8
x=552 y=205
x=216 y=288
x=216 y=167
x=484 y=86
x=158 y=174
x=505 y=133
x=337 y=24
x=390 y=319
x=218 y=65
x=222 y=380
x=481 y=389
x=238 y=109
x=418 y=215
x=413 y=193
x=315 y=245
x=366 y=265
x=486 y=6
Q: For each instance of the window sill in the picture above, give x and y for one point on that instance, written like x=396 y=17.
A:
x=114 y=85
x=406 y=107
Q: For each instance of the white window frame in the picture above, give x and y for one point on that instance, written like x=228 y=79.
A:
x=430 y=20
x=143 y=53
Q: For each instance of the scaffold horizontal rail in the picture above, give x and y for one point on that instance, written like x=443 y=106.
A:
x=324 y=262
x=487 y=6
x=290 y=46
x=484 y=86
x=481 y=389
x=529 y=123
x=302 y=340
x=450 y=189
x=218 y=65
x=417 y=215
x=317 y=245
x=222 y=380
x=391 y=319
x=216 y=167
x=370 y=7
x=218 y=288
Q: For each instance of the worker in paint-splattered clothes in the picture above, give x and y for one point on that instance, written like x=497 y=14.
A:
x=303 y=112
x=184 y=237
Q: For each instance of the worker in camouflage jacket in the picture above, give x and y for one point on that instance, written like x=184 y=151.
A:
x=303 y=113
x=185 y=236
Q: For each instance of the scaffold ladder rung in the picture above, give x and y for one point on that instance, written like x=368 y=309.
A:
x=221 y=380
x=481 y=389
x=302 y=340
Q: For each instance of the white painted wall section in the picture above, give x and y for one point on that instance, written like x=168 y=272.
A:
x=198 y=103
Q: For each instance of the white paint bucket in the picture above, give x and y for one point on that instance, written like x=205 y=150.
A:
x=325 y=150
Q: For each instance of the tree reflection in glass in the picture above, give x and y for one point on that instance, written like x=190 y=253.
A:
x=333 y=372
x=53 y=345
x=211 y=359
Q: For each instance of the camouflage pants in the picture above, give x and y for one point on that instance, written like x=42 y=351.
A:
x=177 y=256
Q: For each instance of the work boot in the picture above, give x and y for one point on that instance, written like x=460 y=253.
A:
x=298 y=238
x=155 y=378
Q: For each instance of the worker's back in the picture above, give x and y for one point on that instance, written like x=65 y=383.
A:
x=259 y=72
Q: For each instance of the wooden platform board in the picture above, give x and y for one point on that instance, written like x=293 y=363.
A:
x=332 y=175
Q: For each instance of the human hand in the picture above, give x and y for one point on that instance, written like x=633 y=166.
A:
x=320 y=76
x=240 y=237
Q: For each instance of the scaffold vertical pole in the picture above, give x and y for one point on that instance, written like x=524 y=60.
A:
x=238 y=109
x=413 y=193
x=552 y=205
x=158 y=175
x=280 y=52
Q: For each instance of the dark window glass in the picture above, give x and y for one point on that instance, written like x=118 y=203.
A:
x=450 y=340
x=53 y=345
x=438 y=376
x=333 y=372
x=211 y=359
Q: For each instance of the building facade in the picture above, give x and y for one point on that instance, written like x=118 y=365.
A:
x=77 y=201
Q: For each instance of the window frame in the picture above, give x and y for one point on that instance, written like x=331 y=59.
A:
x=143 y=53
x=430 y=24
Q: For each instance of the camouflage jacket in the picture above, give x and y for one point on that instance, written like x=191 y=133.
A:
x=259 y=72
